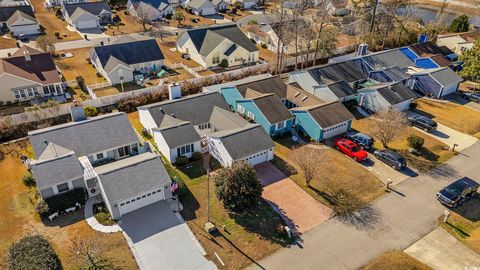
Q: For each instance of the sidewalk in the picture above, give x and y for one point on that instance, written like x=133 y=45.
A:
x=92 y=221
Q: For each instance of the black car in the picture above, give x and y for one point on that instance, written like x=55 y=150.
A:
x=391 y=158
x=475 y=97
x=423 y=122
x=361 y=139
x=457 y=192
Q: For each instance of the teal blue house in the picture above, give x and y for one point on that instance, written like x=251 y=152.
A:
x=322 y=121
x=266 y=109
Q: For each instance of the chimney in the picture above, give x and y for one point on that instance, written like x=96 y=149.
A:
x=9 y=55
x=174 y=91
x=26 y=53
x=77 y=113
x=362 y=49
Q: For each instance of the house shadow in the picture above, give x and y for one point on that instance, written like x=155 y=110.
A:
x=350 y=210
x=470 y=209
x=214 y=16
x=457 y=98
x=64 y=220
x=439 y=134
x=408 y=172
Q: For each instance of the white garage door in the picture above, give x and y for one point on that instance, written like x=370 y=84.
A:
x=449 y=89
x=257 y=158
x=87 y=24
x=402 y=106
x=25 y=29
x=140 y=201
x=208 y=11
x=335 y=130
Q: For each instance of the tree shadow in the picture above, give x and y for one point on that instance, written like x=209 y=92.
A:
x=443 y=171
x=190 y=204
x=290 y=222
x=351 y=210
x=193 y=170
x=470 y=209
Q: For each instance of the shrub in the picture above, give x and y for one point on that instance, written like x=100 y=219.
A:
x=264 y=45
x=32 y=252
x=238 y=187
x=223 y=63
x=197 y=156
x=42 y=208
x=66 y=200
x=415 y=142
x=90 y=111
x=80 y=82
x=57 y=34
x=181 y=160
x=28 y=180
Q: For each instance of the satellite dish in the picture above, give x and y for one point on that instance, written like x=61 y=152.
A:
x=294 y=138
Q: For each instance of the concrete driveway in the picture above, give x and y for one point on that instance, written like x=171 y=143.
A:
x=298 y=208
x=442 y=251
x=385 y=172
x=160 y=241
x=450 y=136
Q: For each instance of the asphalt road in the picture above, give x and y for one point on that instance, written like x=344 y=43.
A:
x=395 y=221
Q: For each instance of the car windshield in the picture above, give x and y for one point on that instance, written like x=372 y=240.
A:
x=453 y=189
x=355 y=148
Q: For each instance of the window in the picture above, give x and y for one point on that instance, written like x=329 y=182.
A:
x=215 y=60
x=62 y=187
x=240 y=109
x=154 y=192
x=138 y=198
x=122 y=204
x=128 y=202
x=144 y=196
x=19 y=93
x=99 y=155
x=250 y=115
x=124 y=151
x=280 y=125
x=133 y=200
x=186 y=149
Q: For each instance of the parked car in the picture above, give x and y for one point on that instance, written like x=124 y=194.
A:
x=23 y=38
x=423 y=122
x=457 y=192
x=364 y=140
x=351 y=149
x=472 y=96
x=391 y=158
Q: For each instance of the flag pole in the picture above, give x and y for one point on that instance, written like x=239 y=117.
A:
x=208 y=195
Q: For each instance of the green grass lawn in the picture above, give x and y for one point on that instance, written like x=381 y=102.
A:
x=395 y=260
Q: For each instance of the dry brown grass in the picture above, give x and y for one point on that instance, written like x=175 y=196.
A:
x=451 y=115
x=131 y=25
x=266 y=54
x=6 y=43
x=106 y=91
x=187 y=20
x=395 y=260
x=235 y=17
x=172 y=57
x=78 y=66
x=51 y=24
x=18 y=218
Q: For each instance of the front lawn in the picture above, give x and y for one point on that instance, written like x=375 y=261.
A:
x=339 y=175
x=464 y=223
x=452 y=115
x=395 y=260
x=435 y=151
x=18 y=217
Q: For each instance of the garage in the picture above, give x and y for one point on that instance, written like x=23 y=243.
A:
x=335 y=130
x=132 y=183
x=259 y=157
x=31 y=29
x=87 y=24
x=402 y=106
x=140 y=201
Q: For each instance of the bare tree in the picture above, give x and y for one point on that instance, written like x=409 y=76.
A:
x=143 y=15
x=52 y=106
x=388 y=125
x=159 y=30
x=308 y=160
x=281 y=16
x=45 y=44
x=320 y=21
x=89 y=251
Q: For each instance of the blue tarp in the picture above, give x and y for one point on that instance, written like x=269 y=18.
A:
x=409 y=53
x=425 y=63
x=452 y=57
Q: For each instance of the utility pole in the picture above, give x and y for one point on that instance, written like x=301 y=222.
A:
x=374 y=14
x=209 y=227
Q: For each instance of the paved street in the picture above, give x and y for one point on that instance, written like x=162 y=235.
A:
x=395 y=221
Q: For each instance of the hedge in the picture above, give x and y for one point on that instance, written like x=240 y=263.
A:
x=66 y=200
x=32 y=252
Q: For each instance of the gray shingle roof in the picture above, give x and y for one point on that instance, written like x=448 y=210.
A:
x=86 y=137
x=265 y=86
x=245 y=141
x=56 y=170
x=132 y=176
x=130 y=52
x=53 y=151
x=222 y=119
x=195 y=108
x=347 y=71
x=328 y=114
x=341 y=89
x=390 y=58
x=179 y=135
x=446 y=76
x=206 y=39
x=20 y=15
x=272 y=108
x=154 y=3
x=7 y=12
x=217 y=87
x=196 y=4
x=396 y=74
x=396 y=93
x=94 y=8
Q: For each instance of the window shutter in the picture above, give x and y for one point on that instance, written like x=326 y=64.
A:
x=178 y=151
x=191 y=148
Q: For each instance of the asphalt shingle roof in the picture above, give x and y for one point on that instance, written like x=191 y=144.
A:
x=429 y=48
x=7 y=12
x=179 y=135
x=56 y=170
x=446 y=76
x=272 y=108
x=396 y=93
x=206 y=39
x=132 y=176
x=222 y=119
x=329 y=114
x=245 y=141
x=88 y=136
x=265 y=86
x=387 y=59
x=396 y=74
x=347 y=71
x=341 y=89
x=195 y=108
x=154 y=3
x=130 y=52
x=196 y=4
x=20 y=15
x=94 y=8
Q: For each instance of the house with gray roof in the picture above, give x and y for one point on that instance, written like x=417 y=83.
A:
x=150 y=10
x=181 y=127
x=436 y=83
x=127 y=60
x=75 y=147
x=386 y=96
x=87 y=15
x=132 y=183
x=213 y=45
x=201 y=7
x=19 y=19
x=246 y=4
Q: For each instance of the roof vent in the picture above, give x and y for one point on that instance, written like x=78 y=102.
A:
x=297 y=94
x=304 y=98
